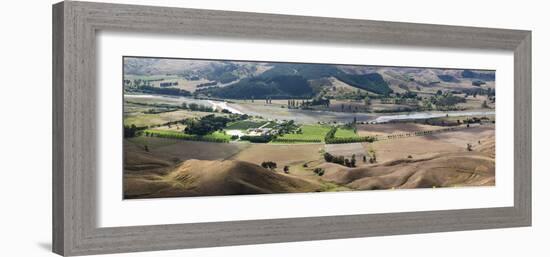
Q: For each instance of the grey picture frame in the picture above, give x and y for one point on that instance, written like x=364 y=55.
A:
x=75 y=25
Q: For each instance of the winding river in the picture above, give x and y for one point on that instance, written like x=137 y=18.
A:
x=303 y=116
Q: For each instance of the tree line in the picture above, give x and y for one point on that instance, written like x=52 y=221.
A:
x=351 y=163
x=181 y=136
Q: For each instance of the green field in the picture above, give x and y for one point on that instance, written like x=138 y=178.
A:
x=345 y=133
x=309 y=134
x=244 y=124
x=219 y=137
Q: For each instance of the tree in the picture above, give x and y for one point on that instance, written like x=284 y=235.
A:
x=193 y=106
x=328 y=157
x=367 y=100
x=206 y=125
x=269 y=165
x=130 y=131
x=340 y=160
x=286 y=169
x=319 y=171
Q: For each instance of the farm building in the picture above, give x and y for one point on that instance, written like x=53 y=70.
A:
x=168 y=84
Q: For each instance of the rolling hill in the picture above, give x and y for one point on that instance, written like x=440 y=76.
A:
x=474 y=168
x=244 y=80
x=209 y=178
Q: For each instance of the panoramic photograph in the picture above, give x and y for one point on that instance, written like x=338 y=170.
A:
x=196 y=127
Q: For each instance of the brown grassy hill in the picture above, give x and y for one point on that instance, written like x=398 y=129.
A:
x=487 y=146
x=445 y=170
x=209 y=178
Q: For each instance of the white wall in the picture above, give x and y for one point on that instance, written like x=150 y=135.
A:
x=25 y=132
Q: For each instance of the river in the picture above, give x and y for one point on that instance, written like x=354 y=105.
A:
x=274 y=111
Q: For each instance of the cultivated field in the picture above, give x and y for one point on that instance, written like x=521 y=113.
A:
x=308 y=133
x=392 y=128
x=425 y=146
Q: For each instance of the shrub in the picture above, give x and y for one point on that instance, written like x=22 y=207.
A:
x=257 y=139
x=319 y=171
x=269 y=165
x=286 y=169
x=347 y=140
x=328 y=157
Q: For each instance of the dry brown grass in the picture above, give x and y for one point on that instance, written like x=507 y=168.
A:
x=439 y=160
x=430 y=145
x=392 y=128
x=445 y=170
x=165 y=153
x=293 y=154
x=211 y=178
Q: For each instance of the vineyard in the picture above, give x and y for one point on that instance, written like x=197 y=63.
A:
x=345 y=133
x=306 y=134
x=244 y=124
x=344 y=136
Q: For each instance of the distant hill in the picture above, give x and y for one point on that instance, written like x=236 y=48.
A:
x=487 y=76
x=308 y=71
x=154 y=66
x=281 y=86
x=372 y=82
x=245 y=80
x=285 y=80
x=447 y=78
